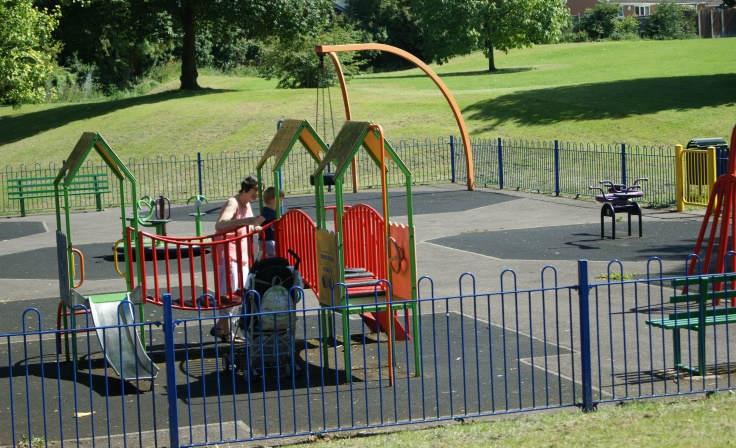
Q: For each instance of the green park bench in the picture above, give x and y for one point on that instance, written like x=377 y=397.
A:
x=702 y=309
x=26 y=188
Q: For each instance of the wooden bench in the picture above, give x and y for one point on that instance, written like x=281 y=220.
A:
x=25 y=188
x=702 y=309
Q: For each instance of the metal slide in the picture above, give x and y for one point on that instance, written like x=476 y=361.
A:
x=114 y=318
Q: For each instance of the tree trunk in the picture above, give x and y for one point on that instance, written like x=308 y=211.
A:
x=489 y=47
x=491 y=61
x=189 y=51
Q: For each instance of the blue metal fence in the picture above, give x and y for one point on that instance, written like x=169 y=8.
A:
x=553 y=167
x=482 y=354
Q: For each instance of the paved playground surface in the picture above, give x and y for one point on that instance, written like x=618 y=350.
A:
x=482 y=232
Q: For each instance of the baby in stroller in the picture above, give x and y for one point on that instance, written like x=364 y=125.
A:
x=268 y=324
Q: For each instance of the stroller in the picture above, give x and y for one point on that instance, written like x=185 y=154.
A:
x=268 y=325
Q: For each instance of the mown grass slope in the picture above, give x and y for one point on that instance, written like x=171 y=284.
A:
x=641 y=93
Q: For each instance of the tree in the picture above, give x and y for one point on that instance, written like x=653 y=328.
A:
x=454 y=28
x=668 y=21
x=115 y=42
x=285 y=19
x=26 y=52
x=391 y=22
x=600 y=21
x=133 y=27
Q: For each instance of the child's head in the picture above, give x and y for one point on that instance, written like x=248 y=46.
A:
x=269 y=196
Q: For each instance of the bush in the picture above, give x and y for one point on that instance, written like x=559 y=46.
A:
x=73 y=83
x=627 y=28
x=670 y=22
x=164 y=71
x=600 y=22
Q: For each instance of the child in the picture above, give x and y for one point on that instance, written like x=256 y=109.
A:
x=268 y=243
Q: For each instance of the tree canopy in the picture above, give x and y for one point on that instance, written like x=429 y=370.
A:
x=454 y=28
x=114 y=42
x=26 y=52
x=285 y=19
x=124 y=38
x=112 y=46
x=391 y=22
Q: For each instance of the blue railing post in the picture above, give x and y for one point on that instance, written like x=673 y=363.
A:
x=171 y=372
x=557 y=168
x=623 y=163
x=199 y=172
x=500 y=164
x=452 y=159
x=585 y=354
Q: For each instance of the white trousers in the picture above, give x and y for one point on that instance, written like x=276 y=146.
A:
x=232 y=272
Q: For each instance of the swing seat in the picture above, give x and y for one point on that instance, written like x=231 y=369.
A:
x=619 y=194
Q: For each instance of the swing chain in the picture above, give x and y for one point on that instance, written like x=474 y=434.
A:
x=324 y=83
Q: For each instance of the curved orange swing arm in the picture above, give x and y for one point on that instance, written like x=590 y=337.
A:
x=331 y=49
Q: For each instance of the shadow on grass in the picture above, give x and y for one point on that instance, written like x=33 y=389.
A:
x=17 y=127
x=498 y=72
x=608 y=100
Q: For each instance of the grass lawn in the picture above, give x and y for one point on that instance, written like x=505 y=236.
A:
x=693 y=421
x=640 y=93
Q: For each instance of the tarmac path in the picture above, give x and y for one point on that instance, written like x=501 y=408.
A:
x=484 y=232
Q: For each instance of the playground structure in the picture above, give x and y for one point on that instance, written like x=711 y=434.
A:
x=365 y=265
x=356 y=256
x=120 y=343
x=720 y=215
x=188 y=267
x=701 y=292
x=113 y=313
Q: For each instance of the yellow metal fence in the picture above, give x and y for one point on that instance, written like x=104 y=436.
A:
x=696 y=175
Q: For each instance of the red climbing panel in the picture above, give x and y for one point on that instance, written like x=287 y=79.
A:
x=187 y=268
x=295 y=230
x=365 y=263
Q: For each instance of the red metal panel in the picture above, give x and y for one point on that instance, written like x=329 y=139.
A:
x=363 y=230
x=180 y=252
x=295 y=230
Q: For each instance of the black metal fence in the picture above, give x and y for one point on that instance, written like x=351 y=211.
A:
x=545 y=166
x=482 y=354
